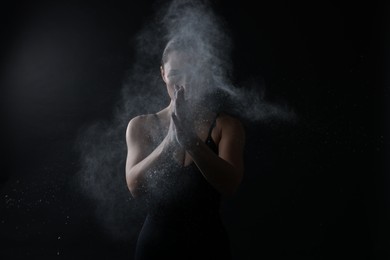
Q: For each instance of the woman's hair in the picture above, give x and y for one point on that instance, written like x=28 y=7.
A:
x=177 y=45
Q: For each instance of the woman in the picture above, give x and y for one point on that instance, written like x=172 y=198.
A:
x=180 y=161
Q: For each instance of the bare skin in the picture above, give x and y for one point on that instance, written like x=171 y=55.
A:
x=177 y=134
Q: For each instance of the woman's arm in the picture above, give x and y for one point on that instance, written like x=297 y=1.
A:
x=141 y=159
x=225 y=170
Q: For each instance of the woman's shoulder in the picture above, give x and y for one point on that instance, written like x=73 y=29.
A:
x=139 y=119
x=225 y=119
x=141 y=123
x=230 y=126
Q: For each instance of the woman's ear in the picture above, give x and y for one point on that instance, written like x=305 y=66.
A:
x=162 y=73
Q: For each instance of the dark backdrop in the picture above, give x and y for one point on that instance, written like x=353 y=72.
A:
x=316 y=189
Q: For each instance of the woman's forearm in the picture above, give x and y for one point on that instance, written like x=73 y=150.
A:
x=137 y=175
x=223 y=176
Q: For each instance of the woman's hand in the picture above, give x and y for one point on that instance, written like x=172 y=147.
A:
x=183 y=121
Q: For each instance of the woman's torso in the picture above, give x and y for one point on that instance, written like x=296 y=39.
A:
x=179 y=191
x=183 y=219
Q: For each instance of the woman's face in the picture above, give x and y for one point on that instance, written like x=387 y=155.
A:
x=177 y=71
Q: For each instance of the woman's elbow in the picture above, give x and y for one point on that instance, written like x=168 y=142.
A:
x=228 y=192
x=133 y=190
x=231 y=189
x=133 y=185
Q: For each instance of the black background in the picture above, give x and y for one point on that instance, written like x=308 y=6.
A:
x=317 y=189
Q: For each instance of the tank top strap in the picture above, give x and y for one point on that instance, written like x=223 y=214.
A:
x=209 y=141
x=212 y=126
x=158 y=120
